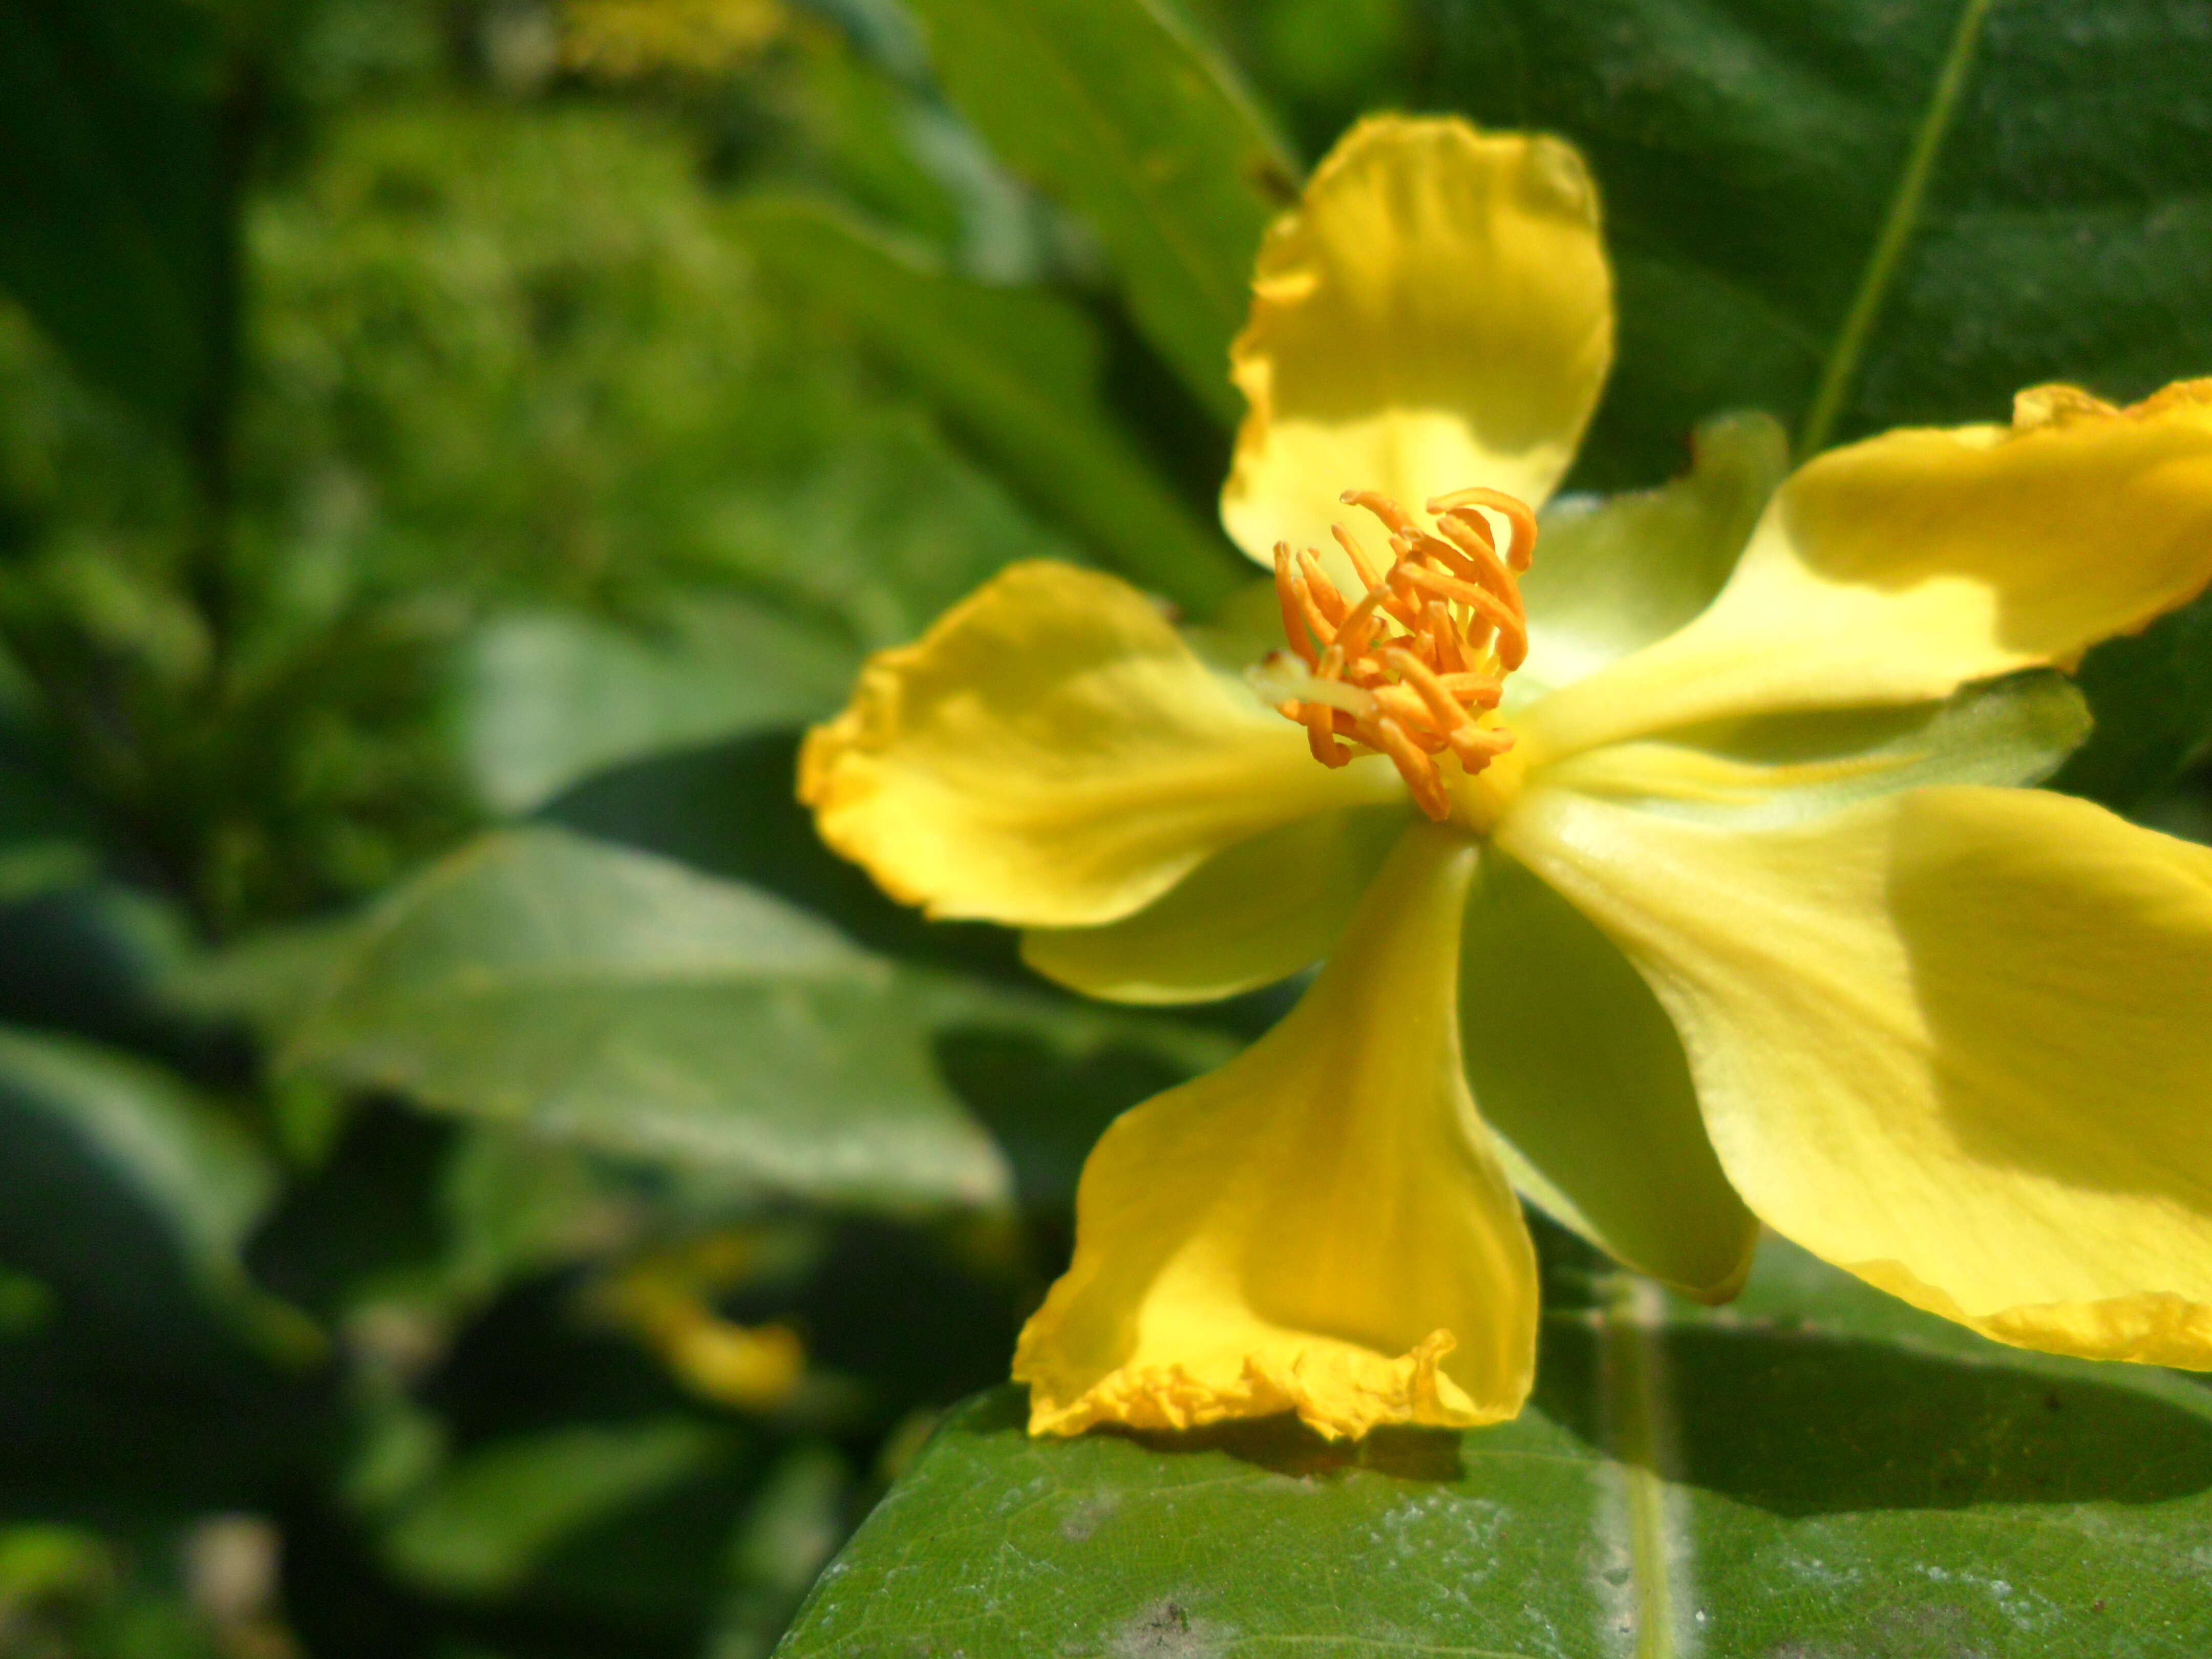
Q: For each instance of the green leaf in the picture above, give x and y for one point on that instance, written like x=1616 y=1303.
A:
x=1013 y=372
x=622 y=1002
x=1816 y=1470
x=1118 y=109
x=1758 y=167
x=794 y=1526
x=45 y=842
x=2150 y=695
x=863 y=551
x=116 y=198
x=86 y=1126
x=482 y=1527
x=548 y=697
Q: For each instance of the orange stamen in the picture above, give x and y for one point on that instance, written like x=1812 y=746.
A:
x=1512 y=509
x=1287 y=587
x=1476 y=558
x=1429 y=641
x=1323 y=590
x=1369 y=578
x=1393 y=515
x=1417 y=768
x=1512 y=634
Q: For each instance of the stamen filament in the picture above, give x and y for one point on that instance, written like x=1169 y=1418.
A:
x=1289 y=595
x=1369 y=578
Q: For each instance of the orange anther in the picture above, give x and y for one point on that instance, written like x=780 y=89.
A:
x=1321 y=734
x=1512 y=509
x=1444 y=638
x=1393 y=515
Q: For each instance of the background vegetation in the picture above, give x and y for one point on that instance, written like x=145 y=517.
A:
x=477 y=1179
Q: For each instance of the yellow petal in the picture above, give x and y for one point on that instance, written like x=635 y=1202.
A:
x=1320 y=1227
x=1052 y=754
x=1245 y=918
x=1897 y=569
x=1958 y=1041
x=1436 y=313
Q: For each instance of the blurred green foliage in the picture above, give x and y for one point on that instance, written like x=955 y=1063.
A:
x=449 y=448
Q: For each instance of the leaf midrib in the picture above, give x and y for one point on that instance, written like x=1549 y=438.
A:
x=1886 y=257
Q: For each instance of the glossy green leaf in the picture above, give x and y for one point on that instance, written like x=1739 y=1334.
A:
x=624 y=1002
x=1816 y=1470
x=116 y=194
x=1757 y=165
x=1012 y=372
x=1122 y=112
x=1857 y=218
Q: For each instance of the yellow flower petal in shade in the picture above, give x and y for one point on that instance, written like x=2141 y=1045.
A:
x=1247 y=917
x=1436 y=313
x=1958 y=1041
x=1052 y=754
x=1897 y=569
x=1320 y=1227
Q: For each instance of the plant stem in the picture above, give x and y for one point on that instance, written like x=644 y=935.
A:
x=1843 y=364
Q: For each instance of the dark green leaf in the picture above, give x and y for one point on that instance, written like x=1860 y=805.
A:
x=1818 y=1470
x=487 y=1520
x=1119 y=110
x=796 y=1524
x=116 y=198
x=1013 y=372
x=1751 y=154
x=81 y=1121
x=2151 y=694
x=46 y=840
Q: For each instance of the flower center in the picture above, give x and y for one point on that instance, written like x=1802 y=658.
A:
x=1414 y=668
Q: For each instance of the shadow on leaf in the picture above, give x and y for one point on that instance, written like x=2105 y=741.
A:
x=1800 y=1424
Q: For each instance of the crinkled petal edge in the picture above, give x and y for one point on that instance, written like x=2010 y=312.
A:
x=1338 y=1391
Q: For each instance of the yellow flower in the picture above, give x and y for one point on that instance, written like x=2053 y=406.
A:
x=1662 y=879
